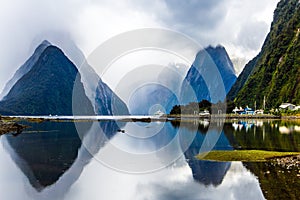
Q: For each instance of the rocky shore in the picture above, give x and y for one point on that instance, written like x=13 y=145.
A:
x=288 y=162
x=11 y=127
x=286 y=165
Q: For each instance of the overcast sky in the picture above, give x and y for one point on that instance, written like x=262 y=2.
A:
x=239 y=25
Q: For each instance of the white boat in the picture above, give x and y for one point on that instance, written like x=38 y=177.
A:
x=159 y=113
x=204 y=113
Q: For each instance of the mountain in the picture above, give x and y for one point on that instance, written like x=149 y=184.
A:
x=105 y=101
x=275 y=74
x=157 y=91
x=25 y=68
x=212 y=62
x=151 y=98
x=243 y=77
x=47 y=88
x=54 y=85
x=203 y=78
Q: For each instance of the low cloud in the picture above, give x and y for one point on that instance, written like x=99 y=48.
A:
x=241 y=26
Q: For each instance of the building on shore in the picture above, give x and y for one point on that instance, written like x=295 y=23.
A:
x=287 y=106
x=247 y=111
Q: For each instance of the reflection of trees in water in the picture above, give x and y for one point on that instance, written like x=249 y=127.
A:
x=265 y=137
x=191 y=125
x=275 y=181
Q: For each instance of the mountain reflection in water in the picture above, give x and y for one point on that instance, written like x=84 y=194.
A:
x=57 y=166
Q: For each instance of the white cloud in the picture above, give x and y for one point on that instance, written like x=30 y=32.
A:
x=245 y=27
x=24 y=24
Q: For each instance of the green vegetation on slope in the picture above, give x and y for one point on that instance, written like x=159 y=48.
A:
x=243 y=77
x=276 y=74
x=191 y=107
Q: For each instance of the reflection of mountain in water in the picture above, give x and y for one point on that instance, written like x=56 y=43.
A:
x=43 y=157
x=47 y=152
x=206 y=172
x=52 y=152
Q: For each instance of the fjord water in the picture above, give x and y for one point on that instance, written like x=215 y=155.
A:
x=49 y=161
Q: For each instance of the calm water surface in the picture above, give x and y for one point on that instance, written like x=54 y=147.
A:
x=50 y=161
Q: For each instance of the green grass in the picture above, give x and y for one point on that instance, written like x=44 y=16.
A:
x=243 y=155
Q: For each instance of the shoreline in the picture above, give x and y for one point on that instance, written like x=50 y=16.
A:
x=8 y=124
x=145 y=118
x=7 y=127
x=233 y=116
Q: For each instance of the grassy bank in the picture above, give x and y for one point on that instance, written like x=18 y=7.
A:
x=244 y=155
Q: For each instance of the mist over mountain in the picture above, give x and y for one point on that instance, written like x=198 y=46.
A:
x=105 y=101
x=47 y=88
x=174 y=88
x=25 y=68
x=210 y=77
x=45 y=85
x=151 y=98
